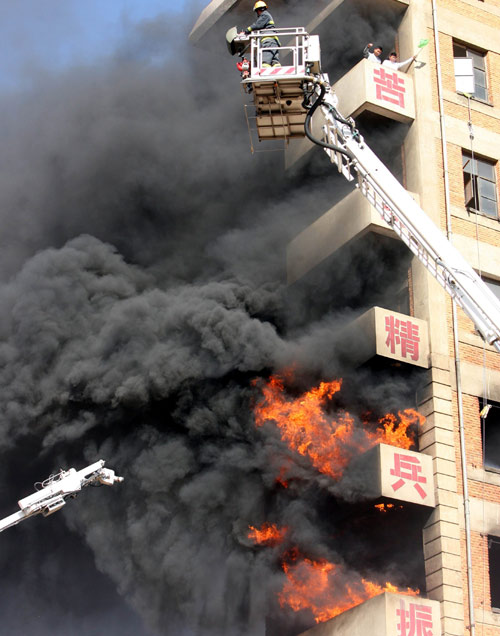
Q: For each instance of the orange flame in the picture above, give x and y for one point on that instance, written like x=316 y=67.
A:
x=268 y=534
x=329 y=442
x=384 y=507
x=394 y=430
x=324 y=588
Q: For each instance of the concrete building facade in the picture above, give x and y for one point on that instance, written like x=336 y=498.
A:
x=448 y=150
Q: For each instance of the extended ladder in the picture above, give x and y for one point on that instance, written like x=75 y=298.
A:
x=399 y=210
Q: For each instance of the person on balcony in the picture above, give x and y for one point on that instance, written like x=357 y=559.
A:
x=265 y=22
x=392 y=61
x=373 y=56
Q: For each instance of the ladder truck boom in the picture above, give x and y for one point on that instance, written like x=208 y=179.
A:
x=52 y=493
x=275 y=98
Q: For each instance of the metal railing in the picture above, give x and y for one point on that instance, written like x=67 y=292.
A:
x=296 y=44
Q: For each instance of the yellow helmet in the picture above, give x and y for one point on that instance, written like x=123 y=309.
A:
x=259 y=5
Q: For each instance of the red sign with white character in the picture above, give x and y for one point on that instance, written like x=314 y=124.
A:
x=414 y=621
x=403 y=334
x=408 y=468
x=390 y=86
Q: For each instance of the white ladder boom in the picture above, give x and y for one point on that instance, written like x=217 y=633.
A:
x=400 y=211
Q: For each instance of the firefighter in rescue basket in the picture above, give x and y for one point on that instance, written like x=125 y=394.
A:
x=265 y=22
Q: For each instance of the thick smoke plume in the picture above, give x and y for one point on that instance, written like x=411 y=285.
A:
x=142 y=268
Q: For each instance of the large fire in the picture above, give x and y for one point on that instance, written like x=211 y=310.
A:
x=329 y=441
x=326 y=589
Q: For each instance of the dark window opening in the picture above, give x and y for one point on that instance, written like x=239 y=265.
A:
x=479 y=67
x=494 y=568
x=480 y=189
x=490 y=428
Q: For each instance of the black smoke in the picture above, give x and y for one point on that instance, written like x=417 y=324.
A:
x=142 y=291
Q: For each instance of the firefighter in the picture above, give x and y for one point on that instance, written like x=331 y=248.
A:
x=264 y=21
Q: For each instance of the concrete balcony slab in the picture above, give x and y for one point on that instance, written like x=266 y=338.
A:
x=220 y=15
x=385 y=333
x=349 y=219
x=223 y=14
x=377 y=89
x=390 y=472
x=384 y=615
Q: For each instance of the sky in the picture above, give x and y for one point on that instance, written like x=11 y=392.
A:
x=56 y=34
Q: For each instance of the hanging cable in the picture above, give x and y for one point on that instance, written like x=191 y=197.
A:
x=485 y=408
x=461 y=426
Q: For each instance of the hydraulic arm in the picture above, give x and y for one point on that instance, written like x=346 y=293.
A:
x=52 y=493
x=354 y=159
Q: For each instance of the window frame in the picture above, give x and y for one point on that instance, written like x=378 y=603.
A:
x=480 y=70
x=494 y=559
x=479 y=185
x=489 y=437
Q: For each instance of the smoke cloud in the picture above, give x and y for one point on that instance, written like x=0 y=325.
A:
x=142 y=291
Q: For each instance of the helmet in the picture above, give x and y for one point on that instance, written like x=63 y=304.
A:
x=259 y=5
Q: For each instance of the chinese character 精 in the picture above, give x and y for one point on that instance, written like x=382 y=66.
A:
x=403 y=333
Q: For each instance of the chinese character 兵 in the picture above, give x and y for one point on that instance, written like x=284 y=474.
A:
x=407 y=467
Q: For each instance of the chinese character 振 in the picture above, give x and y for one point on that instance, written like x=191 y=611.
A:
x=416 y=621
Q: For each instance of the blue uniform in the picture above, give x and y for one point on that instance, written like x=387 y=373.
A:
x=270 y=56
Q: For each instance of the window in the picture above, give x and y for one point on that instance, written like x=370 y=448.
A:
x=494 y=568
x=479 y=68
x=494 y=285
x=490 y=429
x=480 y=185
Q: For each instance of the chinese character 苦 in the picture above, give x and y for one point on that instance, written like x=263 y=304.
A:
x=390 y=87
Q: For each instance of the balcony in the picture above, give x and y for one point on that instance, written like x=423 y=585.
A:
x=376 y=89
x=385 y=333
x=383 y=615
x=349 y=219
x=391 y=473
x=220 y=15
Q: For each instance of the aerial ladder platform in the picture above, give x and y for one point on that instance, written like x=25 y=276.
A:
x=285 y=99
x=52 y=493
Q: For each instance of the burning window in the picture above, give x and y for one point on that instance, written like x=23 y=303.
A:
x=480 y=188
x=478 y=58
x=494 y=568
x=490 y=425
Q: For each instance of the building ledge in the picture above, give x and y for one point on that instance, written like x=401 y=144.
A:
x=381 y=332
x=380 y=615
x=374 y=475
x=377 y=89
x=349 y=219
